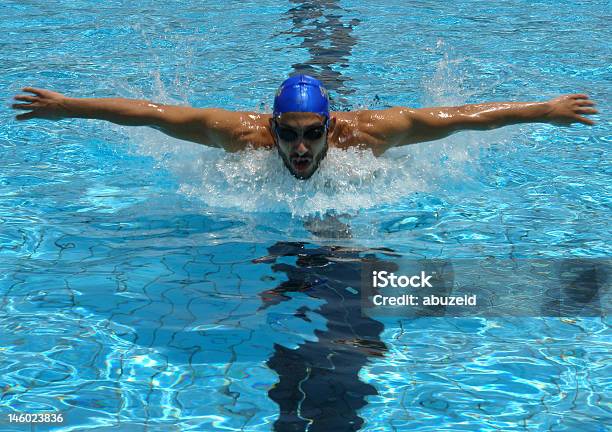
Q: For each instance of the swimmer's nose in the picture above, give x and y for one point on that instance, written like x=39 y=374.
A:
x=301 y=149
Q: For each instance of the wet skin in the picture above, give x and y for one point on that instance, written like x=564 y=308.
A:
x=297 y=135
x=301 y=140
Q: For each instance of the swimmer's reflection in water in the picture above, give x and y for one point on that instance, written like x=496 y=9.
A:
x=319 y=387
x=301 y=126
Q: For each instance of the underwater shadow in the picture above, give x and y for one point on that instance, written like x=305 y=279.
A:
x=319 y=388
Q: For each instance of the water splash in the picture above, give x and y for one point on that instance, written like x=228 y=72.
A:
x=347 y=181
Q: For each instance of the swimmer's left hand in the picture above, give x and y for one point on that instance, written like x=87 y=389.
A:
x=567 y=109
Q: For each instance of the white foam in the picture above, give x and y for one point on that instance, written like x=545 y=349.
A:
x=346 y=182
x=257 y=180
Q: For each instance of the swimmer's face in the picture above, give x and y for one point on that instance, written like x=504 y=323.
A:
x=301 y=139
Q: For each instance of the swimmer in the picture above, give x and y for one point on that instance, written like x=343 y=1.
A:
x=301 y=127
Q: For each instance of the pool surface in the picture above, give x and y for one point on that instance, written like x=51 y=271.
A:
x=151 y=284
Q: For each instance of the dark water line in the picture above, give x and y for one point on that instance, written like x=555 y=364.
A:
x=328 y=40
x=319 y=387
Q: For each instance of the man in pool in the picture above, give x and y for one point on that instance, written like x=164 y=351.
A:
x=301 y=126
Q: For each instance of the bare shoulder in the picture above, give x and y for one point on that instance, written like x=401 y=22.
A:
x=377 y=130
x=239 y=130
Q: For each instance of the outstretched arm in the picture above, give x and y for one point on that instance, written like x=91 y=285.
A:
x=212 y=127
x=434 y=123
x=402 y=126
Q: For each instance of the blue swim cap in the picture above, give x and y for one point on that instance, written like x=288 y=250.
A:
x=301 y=93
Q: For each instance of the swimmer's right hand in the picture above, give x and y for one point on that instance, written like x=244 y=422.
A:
x=45 y=104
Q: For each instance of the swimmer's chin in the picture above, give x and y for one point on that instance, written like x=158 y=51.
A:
x=302 y=175
x=306 y=172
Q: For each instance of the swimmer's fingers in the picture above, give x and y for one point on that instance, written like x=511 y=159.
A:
x=585 y=120
x=42 y=93
x=577 y=96
x=567 y=109
x=26 y=116
x=36 y=91
x=585 y=110
x=26 y=98
x=29 y=106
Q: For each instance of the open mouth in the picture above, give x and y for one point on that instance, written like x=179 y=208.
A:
x=301 y=163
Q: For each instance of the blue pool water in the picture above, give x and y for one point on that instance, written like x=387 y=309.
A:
x=152 y=284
